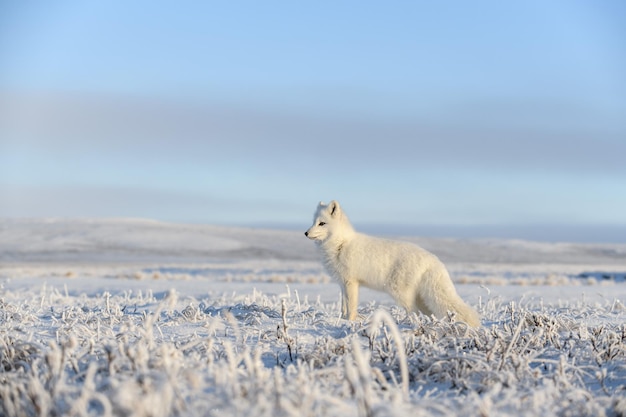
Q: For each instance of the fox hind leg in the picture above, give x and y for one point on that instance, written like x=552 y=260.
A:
x=421 y=306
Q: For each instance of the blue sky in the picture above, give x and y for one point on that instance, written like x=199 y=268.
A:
x=474 y=117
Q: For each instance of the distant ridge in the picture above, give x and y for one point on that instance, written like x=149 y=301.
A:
x=141 y=240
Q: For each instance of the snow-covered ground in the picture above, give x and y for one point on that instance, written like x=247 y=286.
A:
x=136 y=317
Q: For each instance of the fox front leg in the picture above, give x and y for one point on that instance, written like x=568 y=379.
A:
x=350 y=300
x=344 y=302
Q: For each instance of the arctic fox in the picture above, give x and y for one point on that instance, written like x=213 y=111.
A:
x=414 y=277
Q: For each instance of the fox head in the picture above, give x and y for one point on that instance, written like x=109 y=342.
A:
x=329 y=221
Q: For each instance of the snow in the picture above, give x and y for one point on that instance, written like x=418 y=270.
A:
x=140 y=318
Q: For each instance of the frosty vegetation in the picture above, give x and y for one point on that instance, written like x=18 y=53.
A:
x=121 y=319
x=141 y=354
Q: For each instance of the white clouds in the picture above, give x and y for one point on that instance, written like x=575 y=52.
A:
x=195 y=131
x=120 y=201
x=433 y=171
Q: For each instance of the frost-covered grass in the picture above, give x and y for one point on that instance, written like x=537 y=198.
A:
x=139 y=353
x=140 y=318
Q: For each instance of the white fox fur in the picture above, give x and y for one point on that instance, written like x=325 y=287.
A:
x=414 y=277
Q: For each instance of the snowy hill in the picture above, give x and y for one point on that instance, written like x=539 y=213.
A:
x=136 y=240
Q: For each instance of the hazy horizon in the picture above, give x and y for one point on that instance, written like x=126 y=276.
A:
x=552 y=233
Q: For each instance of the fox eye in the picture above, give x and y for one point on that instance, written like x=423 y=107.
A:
x=321 y=223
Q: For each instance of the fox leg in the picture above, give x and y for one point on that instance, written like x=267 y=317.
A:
x=350 y=300
x=344 y=302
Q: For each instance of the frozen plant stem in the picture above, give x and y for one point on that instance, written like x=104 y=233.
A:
x=359 y=376
x=382 y=317
x=282 y=333
x=513 y=341
x=284 y=315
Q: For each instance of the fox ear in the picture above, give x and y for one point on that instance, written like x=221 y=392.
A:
x=321 y=204
x=334 y=208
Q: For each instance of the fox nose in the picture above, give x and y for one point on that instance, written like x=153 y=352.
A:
x=306 y=234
